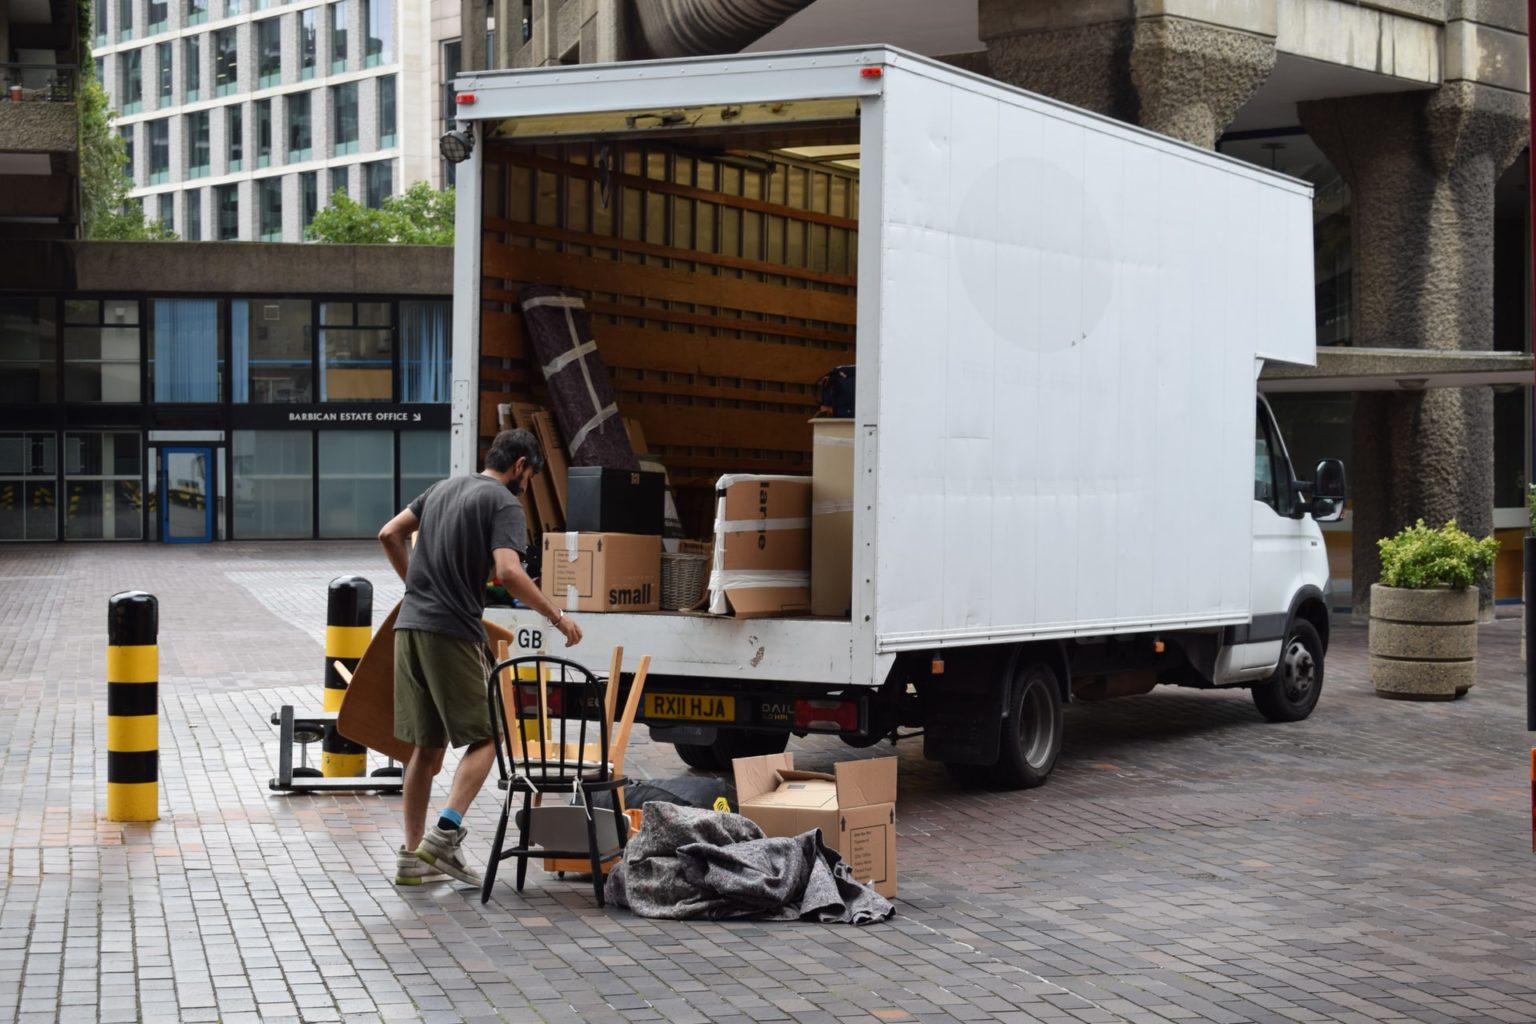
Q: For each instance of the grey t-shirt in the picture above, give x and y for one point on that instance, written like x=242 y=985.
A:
x=463 y=520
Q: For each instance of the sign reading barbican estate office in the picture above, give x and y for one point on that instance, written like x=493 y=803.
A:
x=399 y=417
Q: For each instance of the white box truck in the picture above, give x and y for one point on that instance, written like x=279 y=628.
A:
x=1065 y=483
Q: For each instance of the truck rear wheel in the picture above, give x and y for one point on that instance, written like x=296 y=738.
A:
x=1031 y=738
x=698 y=755
x=1291 y=693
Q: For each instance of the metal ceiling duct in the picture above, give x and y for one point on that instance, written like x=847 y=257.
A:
x=688 y=28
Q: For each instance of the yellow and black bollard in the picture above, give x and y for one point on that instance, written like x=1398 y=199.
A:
x=133 y=707
x=348 y=628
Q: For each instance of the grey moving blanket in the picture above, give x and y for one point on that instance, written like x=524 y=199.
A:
x=689 y=862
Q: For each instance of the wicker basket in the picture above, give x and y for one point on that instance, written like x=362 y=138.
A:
x=683 y=576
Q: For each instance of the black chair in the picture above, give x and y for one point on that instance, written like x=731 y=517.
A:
x=551 y=733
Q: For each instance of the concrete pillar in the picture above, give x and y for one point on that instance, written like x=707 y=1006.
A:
x=1139 y=61
x=1421 y=168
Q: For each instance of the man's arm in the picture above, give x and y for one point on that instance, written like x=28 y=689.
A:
x=509 y=570
x=395 y=535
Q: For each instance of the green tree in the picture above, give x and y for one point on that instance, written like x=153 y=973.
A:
x=420 y=216
x=106 y=212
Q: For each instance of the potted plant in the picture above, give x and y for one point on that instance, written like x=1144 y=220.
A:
x=1423 y=630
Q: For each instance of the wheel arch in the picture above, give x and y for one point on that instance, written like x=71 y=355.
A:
x=1310 y=604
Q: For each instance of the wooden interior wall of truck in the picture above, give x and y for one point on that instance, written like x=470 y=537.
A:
x=719 y=292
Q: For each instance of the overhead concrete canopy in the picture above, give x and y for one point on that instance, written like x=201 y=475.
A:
x=1398 y=370
x=922 y=26
x=1296 y=79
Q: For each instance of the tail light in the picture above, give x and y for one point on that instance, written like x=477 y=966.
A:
x=827 y=715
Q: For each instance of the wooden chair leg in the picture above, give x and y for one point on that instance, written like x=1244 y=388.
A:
x=495 y=861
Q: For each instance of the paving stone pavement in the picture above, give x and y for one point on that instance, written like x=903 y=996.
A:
x=1186 y=862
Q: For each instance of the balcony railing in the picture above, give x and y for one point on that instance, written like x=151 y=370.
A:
x=46 y=83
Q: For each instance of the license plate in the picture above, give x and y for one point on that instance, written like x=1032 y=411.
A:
x=690 y=707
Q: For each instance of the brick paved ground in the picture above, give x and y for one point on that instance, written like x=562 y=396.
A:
x=1186 y=862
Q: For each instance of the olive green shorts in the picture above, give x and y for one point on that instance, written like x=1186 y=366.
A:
x=439 y=690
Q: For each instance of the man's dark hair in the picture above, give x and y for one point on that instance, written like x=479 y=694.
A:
x=511 y=445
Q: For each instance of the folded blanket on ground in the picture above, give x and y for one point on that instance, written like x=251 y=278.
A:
x=688 y=862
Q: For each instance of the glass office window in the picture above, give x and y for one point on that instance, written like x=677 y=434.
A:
x=357 y=347
x=453 y=56
x=344 y=118
x=234 y=136
x=379 y=28
x=28 y=351
x=159 y=12
x=28 y=486
x=271 y=351
x=338 y=180
x=386 y=111
x=101 y=350
x=269 y=208
x=192 y=216
x=99 y=24
x=124 y=19
x=226 y=62
x=274 y=483
x=226 y=205
x=269 y=52
x=299 y=114
x=131 y=88
x=198 y=157
x=165 y=204
x=338 y=26
x=126 y=134
x=103 y=486
x=196 y=11
x=263 y=114
x=164 y=72
x=186 y=352
x=423 y=462
x=425 y=359
x=357 y=482
x=309 y=195
x=192 y=66
x=309 y=40
x=378 y=178
x=159 y=150
x=232 y=7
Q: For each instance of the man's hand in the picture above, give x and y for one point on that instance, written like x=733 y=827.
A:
x=568 y=629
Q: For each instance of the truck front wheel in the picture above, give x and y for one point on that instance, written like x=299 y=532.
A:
x=1291 y=693
x=1031 y=738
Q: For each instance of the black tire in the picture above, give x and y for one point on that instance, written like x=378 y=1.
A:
x=1031 y=737
x=698 y=755
x=1292 y=692
x=729 y=745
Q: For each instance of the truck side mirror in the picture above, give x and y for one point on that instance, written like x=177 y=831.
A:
x=1329 y=490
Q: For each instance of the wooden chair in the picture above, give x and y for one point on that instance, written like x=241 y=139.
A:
x=552 y=739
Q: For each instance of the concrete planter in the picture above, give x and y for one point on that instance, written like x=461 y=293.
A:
x=1423 y=642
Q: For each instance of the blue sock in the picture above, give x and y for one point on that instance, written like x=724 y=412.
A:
x=450 y=820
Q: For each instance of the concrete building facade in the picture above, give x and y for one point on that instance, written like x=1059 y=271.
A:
x=243 y=117
x=1409 y=117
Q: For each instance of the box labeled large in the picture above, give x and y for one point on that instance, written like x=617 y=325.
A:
x=762 y=551
x=855 y=808
x=831 y=517
x=601 y=500
x=602 y=572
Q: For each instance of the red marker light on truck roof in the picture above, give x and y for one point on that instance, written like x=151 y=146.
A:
x=870 y=72
x=465 y=98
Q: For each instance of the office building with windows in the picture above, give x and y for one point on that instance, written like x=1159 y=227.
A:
x=242 y=117
x=170 y=392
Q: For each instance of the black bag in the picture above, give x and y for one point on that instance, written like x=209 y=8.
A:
x=836 y=390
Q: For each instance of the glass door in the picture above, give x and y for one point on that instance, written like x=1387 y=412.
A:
x=186 y=506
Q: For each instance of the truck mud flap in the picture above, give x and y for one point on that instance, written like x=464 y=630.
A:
x=961 y=728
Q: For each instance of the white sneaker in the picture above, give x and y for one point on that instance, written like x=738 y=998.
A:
x=412 y=870
x=442 y=850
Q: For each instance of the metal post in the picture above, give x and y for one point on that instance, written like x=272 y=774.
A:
x=348 y=628
x=133 y=707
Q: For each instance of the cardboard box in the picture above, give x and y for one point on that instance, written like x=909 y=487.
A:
x=831 y=517
x=855 y=808
x=602 y=572
x=762 y=555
